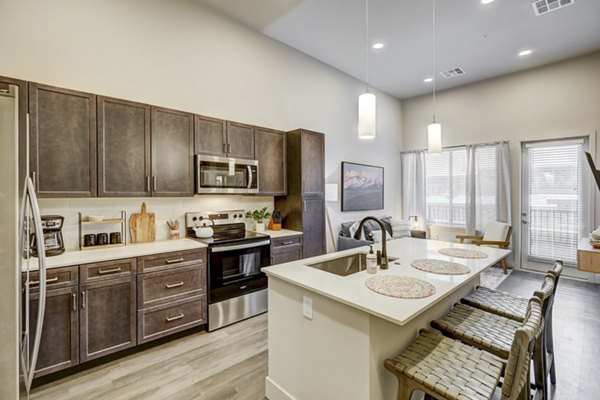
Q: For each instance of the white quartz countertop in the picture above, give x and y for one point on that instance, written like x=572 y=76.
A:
x=281 y=233
x=351 y=289
x=115 y=253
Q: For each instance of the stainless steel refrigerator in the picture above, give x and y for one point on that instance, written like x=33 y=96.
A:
x=19 y=220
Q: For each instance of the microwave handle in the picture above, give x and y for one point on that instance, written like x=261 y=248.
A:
x=250 y=176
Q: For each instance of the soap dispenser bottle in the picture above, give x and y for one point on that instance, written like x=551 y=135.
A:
x=371 y=262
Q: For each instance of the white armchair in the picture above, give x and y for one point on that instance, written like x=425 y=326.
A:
x=496 y=234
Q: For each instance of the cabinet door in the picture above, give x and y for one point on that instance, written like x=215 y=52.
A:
x=240 y=140
x=210 y=136
x=313 y=163
x=172 y=153
x=59 y=348
x=62 y=141
x=313 y=223
x=293 y=254
x=270 y=151
x=123 y=148
x=107 y=317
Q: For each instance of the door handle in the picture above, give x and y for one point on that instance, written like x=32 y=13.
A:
x=74 y=301
x=525 y=222
x=154 y=183
x=83 y=299
x=228 y=148
x=175 y=318
x=173 y=285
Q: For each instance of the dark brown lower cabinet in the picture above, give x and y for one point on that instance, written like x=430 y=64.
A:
x=286 y=249
x=59 y=347
x=313 y=226
x=107 y=317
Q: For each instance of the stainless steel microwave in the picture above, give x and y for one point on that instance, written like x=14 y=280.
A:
x=226 y=175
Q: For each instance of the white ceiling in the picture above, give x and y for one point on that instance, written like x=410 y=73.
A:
x=481 y=39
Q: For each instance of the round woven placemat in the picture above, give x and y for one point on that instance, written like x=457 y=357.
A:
x=440 y=267
x=400 y=286
x=462 y=253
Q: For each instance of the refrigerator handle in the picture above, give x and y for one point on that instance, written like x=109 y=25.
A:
x=39 y=237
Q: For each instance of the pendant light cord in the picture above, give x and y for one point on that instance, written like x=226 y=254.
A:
x=367 y=43
x=433 y=57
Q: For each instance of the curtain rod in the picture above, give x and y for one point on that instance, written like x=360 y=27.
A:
x=460 y=145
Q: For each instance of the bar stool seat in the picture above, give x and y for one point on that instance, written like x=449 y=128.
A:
x=504 y=304
x=478 y=328
x=447 y=367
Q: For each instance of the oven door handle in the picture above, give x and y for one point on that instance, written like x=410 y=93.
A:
x=219 y=249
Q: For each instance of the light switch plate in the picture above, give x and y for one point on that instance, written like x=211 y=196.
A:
x=307 y=307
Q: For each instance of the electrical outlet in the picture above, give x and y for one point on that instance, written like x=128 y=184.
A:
x=307 y=308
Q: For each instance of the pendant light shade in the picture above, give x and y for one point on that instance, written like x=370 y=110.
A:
x=367 y=103
x=434 y=137
x=366 y=116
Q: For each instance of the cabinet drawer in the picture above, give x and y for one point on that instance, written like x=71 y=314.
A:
x=589 y=261
x=165 y=319
x=157 y=262
x=174 y=284
x=55 y=278
x=287 y=256
x=107 y=270
x=285 y=242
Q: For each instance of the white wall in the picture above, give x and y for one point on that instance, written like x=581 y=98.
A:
x=555 y=101
x=182 y=55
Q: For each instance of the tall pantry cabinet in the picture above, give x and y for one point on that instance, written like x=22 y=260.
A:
x=304 y=207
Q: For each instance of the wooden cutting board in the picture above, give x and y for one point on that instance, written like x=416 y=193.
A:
x=142 y=226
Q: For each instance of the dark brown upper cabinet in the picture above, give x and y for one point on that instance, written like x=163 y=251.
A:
x=270 y=151
x=123 y=148
x=172 y=153
x=210 y=136
x=220 y=138
x=240 y=140
x=313 y=163
x=62 y=141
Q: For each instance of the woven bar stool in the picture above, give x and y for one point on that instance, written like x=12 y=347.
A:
x=494 y=333
x=447 y=369
x=514 y=307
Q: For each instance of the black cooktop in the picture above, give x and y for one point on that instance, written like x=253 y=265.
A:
x=231 y=233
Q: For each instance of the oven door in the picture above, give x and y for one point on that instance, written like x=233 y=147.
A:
x=226 y=175
x=234 y=269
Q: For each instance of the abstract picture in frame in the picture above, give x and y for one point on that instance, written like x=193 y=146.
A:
x=362 y=187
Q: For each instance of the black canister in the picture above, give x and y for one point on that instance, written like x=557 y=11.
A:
x=89 y=240
x=115 y=238
x=102 y=239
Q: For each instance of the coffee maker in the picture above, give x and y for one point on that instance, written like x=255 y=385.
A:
x=53 y=239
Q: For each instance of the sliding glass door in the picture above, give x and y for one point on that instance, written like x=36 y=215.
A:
x=554 y=203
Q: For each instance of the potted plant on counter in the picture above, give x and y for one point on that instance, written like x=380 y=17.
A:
x=259 y=217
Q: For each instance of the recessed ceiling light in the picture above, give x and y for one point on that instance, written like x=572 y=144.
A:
x=524 y=53
x=428 y=80
x=378 y=45
x=486 y=1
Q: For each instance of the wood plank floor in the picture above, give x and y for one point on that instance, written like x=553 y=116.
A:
x=231 y=363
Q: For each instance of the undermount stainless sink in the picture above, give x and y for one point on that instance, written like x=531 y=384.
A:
x=346 y=265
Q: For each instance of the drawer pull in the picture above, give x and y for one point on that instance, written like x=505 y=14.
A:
x=173 y=285
x=55 y=279
x=74 y=301
x=109 y=271
x=286 y=243
x=176 y=260
x=175 y=318
x=243 y=287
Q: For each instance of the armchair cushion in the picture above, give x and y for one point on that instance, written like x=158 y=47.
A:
x=496 y=231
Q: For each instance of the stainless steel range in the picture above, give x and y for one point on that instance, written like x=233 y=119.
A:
x=237 y=289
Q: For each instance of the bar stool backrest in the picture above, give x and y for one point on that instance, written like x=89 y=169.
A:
x=517 y=370
x=556 y=271
x=546 y=294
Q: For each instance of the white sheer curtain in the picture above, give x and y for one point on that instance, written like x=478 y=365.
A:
x=413 y=186
x=487 y=186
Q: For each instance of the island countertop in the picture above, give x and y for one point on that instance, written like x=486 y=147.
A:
x=352 y=291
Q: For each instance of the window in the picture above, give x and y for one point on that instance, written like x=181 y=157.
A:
x=446 y=183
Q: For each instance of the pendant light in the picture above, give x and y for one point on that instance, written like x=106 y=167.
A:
x=366 y=101
x=434 y=129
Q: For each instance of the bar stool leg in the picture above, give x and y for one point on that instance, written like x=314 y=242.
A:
x=540 y=367
x=405 y=388
x=550 y=347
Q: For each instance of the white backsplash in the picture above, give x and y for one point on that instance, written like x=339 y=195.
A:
x=164 y=209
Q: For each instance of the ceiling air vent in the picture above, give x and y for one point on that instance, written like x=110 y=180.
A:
x=453 y=73
x=541 y=7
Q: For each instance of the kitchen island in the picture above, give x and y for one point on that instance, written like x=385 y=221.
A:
x=329 y=334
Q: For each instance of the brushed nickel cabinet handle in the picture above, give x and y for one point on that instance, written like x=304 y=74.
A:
x=33 y=178
x=154 y=183
x=175 y=318
x=55 y=279
x=83 y=299
x=173 y=285
x=224 y=147
x=176 y=260
x=74 y=301
x=147 y=183
x=109 y=271
x=286 y=243
x=228 y=147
